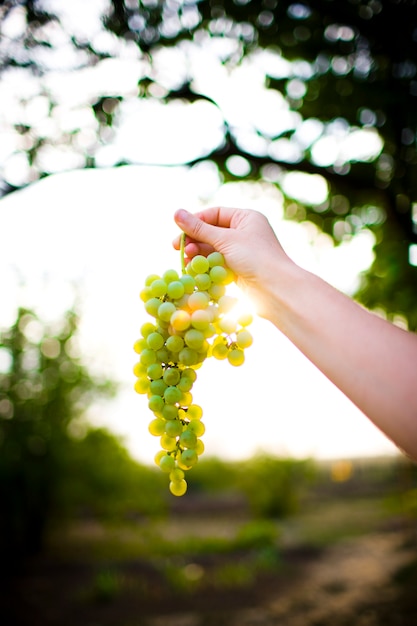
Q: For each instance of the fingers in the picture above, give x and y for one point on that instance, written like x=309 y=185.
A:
x=193 y=224
x=203 y=228
x=196 y=229
x=193 y=248
x=218 y=216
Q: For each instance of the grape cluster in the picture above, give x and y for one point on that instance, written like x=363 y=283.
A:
x=191 y=321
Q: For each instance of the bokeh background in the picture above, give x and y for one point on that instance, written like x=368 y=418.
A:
x=113 y=114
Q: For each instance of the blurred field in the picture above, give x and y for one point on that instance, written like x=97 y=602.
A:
x=346 y=554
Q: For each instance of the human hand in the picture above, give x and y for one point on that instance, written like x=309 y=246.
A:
x=246 y=240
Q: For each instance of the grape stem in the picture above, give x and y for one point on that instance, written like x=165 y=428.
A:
x=182 y=253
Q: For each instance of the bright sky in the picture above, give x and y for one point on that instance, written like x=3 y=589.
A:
x=105 y=230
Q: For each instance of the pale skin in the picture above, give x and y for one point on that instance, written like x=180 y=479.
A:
x=373 y=362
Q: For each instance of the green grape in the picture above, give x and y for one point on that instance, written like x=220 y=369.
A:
x=149 y=279
x=158 y=288
x=167 y=463
x=152 y=306
x=203 y=281
x=147 y=328
x=158 y=456
x=197 y=427
x=194 y=339
x=174 y=343
x=244 y=339
x=170 y=412
x=172 y=395
x=163 y=329
x=188 y=458
x=173 y=358
x=198 y=300
x=168 y=443
x=202 y=354
x=175 y=290
x=155 y=371
x=215 y=258
x=182 y=466
x=185 y=384
x=182 y=303
x=199 y=448
x=195 y=412
x=188 y=439
x=189 y=373
x=230 y=277
x=216 y=291
x=218 y=275
x=220 y=351
x=142 y=385
x=176 y=475
x=155 y=341
x=186 y=398
x=139 y=369
x=178 y=487
x=200 y=319
x=188 y=282
x=180 y=320
x=156 y=404
x=157 y=427
x=236 y=357
x=172 y=376
x=170 y=276
x=148 y=356
x=165 y=311
x=157 y=387
x=172 y=428
x=189 y=270
x=245 y=319
x=210 y=331
x=140 y=345
x=227 y=325
x=200 y=264
x=145 y=294
x=192 y=320
x=187 y=356
x=163 y=355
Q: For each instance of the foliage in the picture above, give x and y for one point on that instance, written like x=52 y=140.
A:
x=212 y=475
x=275 y=486
x=44 y=388
x=103 y=482
x=272 y=486
x=48 y=472
x=343 y=71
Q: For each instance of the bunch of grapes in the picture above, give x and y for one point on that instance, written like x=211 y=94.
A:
x=191 y=322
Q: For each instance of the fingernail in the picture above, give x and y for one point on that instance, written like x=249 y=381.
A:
x=182 y=215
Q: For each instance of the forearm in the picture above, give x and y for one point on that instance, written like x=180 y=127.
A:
x=373 y=362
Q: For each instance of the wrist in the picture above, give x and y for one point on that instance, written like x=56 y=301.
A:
x=279 y=294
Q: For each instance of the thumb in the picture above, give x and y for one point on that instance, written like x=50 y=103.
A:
x=195 y=227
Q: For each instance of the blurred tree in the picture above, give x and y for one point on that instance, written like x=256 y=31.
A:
x=44 y=390
x=341 y=77
x=102 y=481
x=274 y=487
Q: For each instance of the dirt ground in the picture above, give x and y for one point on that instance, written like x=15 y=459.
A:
x=352 y=583
x=369 y=580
